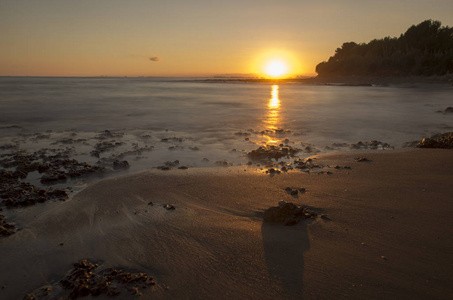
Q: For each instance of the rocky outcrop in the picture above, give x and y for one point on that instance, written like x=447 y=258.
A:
x=288 y=214
x=443 y=140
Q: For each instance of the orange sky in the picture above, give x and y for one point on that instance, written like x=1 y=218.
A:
x=192 y=38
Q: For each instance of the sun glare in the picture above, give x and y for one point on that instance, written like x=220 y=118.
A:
x=276 y=68
x=275 y=63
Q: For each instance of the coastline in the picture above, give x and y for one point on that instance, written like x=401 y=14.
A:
x=403 y=81
x=387 y=235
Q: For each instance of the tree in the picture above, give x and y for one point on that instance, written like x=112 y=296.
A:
x=424 y=49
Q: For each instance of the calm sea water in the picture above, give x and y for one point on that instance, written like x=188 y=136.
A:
x=190 y=120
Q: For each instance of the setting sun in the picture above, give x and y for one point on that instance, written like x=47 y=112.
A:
x=276 y=63
x=276 y=68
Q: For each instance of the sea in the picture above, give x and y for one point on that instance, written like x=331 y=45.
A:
x=205 y=123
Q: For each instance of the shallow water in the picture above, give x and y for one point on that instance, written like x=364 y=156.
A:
x=209 y=120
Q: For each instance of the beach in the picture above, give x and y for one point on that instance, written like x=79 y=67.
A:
x=268 y=150
x=383 y=231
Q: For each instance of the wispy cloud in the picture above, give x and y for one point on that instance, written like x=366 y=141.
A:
x=154 y=58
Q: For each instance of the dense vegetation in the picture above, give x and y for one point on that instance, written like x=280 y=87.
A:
x=425 y=49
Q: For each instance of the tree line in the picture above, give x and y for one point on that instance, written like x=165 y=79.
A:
x=425 y=49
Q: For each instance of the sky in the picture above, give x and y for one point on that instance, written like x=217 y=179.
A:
x=193 y=37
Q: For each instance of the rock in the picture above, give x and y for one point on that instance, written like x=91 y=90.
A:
x=169 y=207
x=444 y=140
x=118 y=165
x=17 y=193
x=95 y=153
x=371 y=145
x=53 y=177
x=85 y=280
x=286 y=213
x=6 y=229
x=294 y=192
x=223 y=163
x=290 y=222
x=288 y=189
x=57 y=193
x=172 y=164
x=164 y=168
x=269 y=152
x=448 y=110
x=172 y=139
x=362 y=159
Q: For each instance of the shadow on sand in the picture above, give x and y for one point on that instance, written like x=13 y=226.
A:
x=284 y=249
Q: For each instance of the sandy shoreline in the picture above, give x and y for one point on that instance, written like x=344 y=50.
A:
x=389 y=237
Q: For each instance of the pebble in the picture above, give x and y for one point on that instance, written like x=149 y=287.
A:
x=362 y=159
x=169 y=207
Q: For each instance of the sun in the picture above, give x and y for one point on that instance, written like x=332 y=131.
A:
x=276 y=68
x=275 y=64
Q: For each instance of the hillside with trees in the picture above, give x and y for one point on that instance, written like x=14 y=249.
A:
x=425 y=49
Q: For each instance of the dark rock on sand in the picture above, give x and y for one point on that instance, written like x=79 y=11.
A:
x=168 y=165
x=18 y=193
x=6 y=229
x=169 y=207
x=307 y=164
x=56 y=167
x=172 y=139
x=362 y=159
x=105 y=146
x=371 y=145
x=164 y=168
x=107 y=134
x=117 y=165
x=294 y=191
x=223 y=163
x=268 y=152
x=444 y=140
x=84 y=280
x=172 y=163
x=448 y=110
x=287 y=214
x=53 y=177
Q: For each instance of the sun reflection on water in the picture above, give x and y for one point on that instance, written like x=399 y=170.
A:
x=273 y=114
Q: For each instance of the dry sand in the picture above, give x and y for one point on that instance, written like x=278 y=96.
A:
x=390 y=235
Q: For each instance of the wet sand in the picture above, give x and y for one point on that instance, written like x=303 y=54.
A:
x=389 y=232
